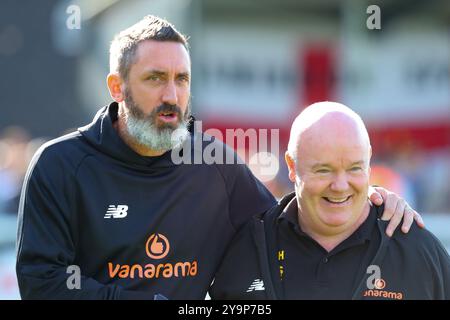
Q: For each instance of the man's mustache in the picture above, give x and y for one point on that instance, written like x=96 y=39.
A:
x=168 y=108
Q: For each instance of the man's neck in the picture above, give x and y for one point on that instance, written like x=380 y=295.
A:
x=140 y=149
x=330 y=241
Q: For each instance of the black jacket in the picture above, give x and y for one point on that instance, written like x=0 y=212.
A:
x=415 y=265
x=135 y=226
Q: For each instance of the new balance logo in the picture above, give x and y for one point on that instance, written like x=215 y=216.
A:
x=257 y=285
x=118 y=212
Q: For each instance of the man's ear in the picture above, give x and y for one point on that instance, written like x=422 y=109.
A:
x=114 y=82
x=291 y=166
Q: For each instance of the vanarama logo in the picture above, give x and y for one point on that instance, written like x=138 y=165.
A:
x=156 y=247
x=372 y=293
x=376 y=284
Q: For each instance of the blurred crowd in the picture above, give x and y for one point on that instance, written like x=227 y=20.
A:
x=16 y=151
x=421 y=177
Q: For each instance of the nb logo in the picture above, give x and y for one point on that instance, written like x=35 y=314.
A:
x=257 y=285
x=118 y=212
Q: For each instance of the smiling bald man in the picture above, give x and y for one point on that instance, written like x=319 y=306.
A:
x=328 y=159
x=327 y=240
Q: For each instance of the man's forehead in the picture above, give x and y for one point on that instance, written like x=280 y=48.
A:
x=330 y=133
x=161 y=55
x=337 y=155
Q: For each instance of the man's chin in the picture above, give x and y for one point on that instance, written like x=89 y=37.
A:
x=167 y=126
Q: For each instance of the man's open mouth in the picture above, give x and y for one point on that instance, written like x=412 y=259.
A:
x=337 y=200
x=168 y=116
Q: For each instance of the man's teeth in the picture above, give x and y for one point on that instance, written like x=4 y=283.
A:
x=338 y=200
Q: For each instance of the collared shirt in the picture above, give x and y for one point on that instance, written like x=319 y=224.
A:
x=308 y=271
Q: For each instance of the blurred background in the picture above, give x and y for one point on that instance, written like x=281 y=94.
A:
x=255 y=64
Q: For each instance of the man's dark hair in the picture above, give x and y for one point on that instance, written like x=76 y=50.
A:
x=123 y=47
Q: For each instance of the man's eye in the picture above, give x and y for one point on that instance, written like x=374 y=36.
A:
x=355 y=169
x=153 y=78
x=183 y=79
x=322 y=171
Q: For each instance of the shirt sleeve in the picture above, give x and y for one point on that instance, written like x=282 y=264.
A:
x=247 y=195
x=444 y=275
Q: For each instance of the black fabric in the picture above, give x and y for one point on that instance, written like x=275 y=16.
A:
x=412 y=266
x=73 y=181
x=322 y=274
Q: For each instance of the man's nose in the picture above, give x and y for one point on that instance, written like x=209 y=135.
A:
x=170 y=94
x=340 y=183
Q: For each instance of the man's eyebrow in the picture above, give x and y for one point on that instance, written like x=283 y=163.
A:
x=163 y=73
x=318 y=165
x=154 y=71
x=323 y=164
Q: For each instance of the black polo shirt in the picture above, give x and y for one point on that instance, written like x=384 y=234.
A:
x=308 y=271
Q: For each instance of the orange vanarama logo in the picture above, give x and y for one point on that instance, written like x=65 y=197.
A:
x=378 y=292
x=380 y=284
x=157 y=247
